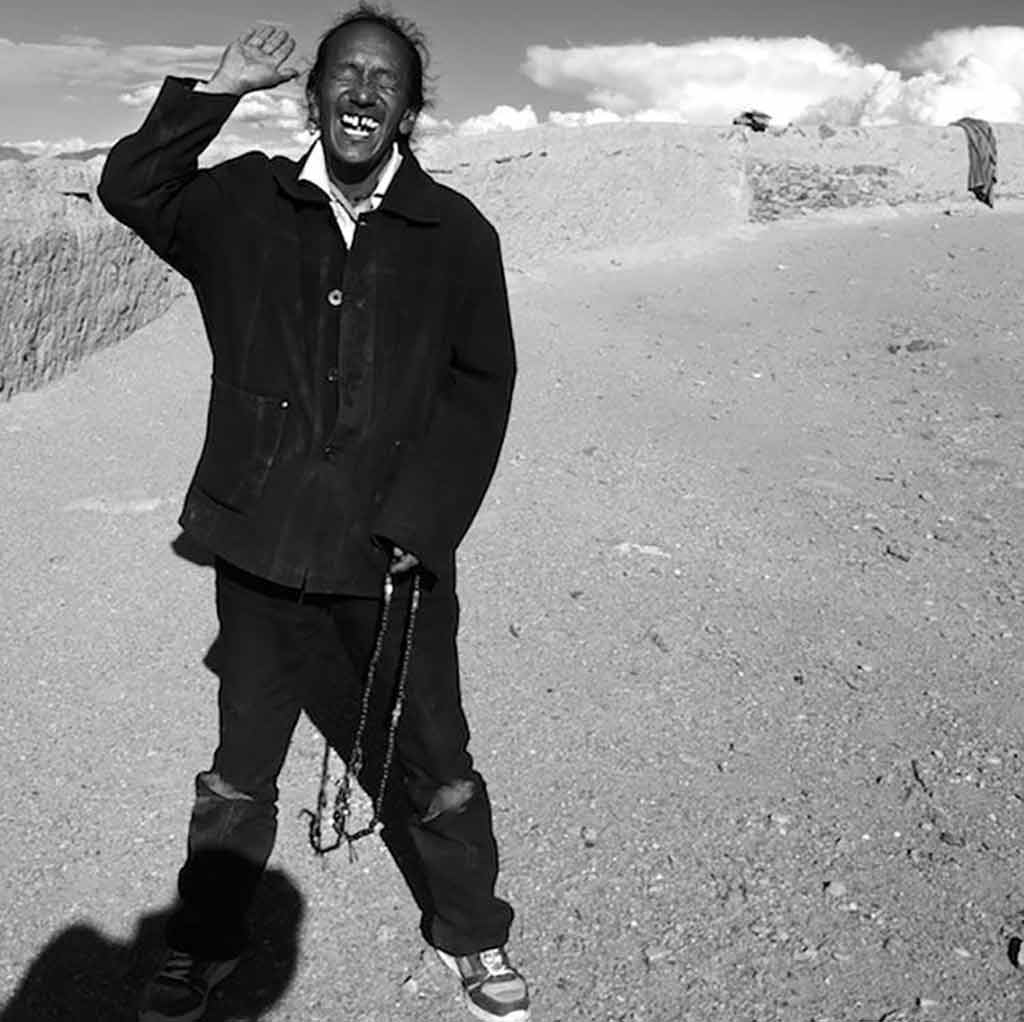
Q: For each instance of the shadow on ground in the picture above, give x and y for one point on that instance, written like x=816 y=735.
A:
x=82 y=975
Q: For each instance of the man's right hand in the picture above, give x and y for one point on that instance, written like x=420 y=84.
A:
x=254 y=61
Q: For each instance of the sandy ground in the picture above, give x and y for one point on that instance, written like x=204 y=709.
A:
x=742 y=638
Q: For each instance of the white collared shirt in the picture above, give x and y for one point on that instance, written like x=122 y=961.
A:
x=345 y=213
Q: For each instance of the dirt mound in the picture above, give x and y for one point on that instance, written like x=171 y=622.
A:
x=552 y=190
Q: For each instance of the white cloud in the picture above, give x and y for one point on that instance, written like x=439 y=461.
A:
x=501 y=118
x=584 y=118
x=427 y=124
x=78 y=60
x=283 y=103
x=971 y=71
x=52 y=147
x=233 y=143
x=274 y=119
x=143 y=96
x=271 y=109
x=1001 y=47
x=964 y=72
x=705 y=82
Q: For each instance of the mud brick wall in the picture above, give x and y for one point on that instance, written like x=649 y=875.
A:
x=72 y=280
x=801 y=169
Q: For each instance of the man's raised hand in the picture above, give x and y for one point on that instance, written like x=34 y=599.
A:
x=254 y=61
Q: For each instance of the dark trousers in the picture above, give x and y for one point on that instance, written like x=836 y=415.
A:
x=279 y=653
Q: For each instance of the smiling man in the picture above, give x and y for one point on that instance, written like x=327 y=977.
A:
x=363 y=366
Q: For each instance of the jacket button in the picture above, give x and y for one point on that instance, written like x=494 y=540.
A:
x=333 y=374
x=329 y=452
x=334 y=297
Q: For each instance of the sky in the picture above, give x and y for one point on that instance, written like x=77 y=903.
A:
x=79 y=73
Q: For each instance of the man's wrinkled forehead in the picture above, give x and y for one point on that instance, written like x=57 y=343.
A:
x=367 y=42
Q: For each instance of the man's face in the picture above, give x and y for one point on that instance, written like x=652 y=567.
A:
x=361 y=105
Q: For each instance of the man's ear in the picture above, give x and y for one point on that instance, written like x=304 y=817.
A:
x=408 y=122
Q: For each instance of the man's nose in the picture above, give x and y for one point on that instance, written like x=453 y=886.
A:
x=362 y=93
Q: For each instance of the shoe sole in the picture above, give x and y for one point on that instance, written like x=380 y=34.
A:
x=519 y=1015
x=220 y=974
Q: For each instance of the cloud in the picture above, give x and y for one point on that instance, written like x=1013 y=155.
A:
x=427 y=124
x=53 y=147
x=708 y=81
x=275 y=109
x=274 y=119
x=970 y=71
x=963 y=72
x=142 y=96
x=283 y=104
x=229 y=144
x=79 y=60
x=583 y=119
x=1000 y=47
x=501 y=118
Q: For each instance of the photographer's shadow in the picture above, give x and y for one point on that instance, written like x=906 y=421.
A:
x=82 y=975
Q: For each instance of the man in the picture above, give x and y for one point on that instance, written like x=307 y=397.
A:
x=363 y=366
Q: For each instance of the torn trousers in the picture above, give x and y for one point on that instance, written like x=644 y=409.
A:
x=279 y=653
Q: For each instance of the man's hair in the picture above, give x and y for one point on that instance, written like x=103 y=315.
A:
x=406 y=30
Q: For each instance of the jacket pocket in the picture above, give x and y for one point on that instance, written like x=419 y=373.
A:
x=243 y=434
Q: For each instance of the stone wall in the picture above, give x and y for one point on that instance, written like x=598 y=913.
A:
x=72 y=280
x=797 y=170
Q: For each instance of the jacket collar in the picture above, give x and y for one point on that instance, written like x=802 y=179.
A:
x=413 y=194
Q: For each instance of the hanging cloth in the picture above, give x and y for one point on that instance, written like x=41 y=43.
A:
x=981 y=148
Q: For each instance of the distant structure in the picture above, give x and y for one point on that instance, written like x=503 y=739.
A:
x=756 y=120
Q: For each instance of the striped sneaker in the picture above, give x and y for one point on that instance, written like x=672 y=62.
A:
x=180 y=990
x=494 y=990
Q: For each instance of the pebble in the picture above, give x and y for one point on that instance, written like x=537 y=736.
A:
x=653 y=955
x=898 y=551
x=589 y=836
x=926 y=344
x=835 y=889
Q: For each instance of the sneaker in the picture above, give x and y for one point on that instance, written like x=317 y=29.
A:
x=495 y=991
x=180 y=990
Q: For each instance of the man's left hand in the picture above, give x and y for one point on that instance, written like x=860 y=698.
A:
x=402 y=561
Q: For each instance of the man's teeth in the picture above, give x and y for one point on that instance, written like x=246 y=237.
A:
x=359 y=125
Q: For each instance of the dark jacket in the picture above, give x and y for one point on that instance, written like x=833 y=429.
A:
x=358 y=398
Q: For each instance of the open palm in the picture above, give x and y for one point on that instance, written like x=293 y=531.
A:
x=256 y=60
